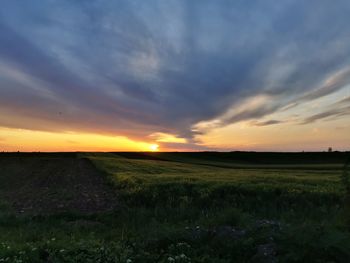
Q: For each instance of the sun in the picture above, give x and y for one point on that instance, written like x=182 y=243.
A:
x=154 y=147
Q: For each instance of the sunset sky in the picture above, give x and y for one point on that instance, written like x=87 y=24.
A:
x=136 y=75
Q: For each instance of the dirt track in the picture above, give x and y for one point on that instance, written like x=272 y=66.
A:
x=50 y=184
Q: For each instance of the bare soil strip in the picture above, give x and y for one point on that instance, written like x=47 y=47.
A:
x=54 y=184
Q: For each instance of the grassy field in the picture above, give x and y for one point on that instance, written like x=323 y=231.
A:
x=174 y=207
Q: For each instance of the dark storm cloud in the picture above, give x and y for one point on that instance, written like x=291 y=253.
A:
x=137 y=67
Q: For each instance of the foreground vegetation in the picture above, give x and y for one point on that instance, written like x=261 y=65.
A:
x=177 y=207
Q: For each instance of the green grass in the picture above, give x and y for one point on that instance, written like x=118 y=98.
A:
x=173 y=209
x=151 y=182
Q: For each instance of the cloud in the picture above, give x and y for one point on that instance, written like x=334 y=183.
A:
x=331 y=84
x=266 y=123
x=332 y=113
x=344 y=101
x=250 y=108
x=135 y=68
x=167 y=138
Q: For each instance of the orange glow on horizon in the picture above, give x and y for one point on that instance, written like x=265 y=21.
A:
x=154 y=147
x=29 y=141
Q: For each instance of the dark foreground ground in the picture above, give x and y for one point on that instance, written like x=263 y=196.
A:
x=174 y=207
x=51 y=184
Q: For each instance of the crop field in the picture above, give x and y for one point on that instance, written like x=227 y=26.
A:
x=174 y=207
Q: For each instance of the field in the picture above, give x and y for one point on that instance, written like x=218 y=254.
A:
x=174 y=207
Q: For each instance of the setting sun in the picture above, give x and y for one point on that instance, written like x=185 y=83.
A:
x=155 y=130
x=154 y=147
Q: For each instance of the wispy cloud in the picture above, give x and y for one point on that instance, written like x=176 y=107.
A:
x=332 y=113
x=331 y=84
x=135 y=68
x=344 y=101
x=167 y=138
x=267 y=123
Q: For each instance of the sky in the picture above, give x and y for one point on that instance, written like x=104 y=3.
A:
x=175 y=75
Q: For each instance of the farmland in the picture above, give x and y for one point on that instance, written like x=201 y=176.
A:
x=173 y=207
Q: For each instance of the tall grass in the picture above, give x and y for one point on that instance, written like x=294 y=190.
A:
x=173 y=211
x=267 y=192
x=346 y=182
